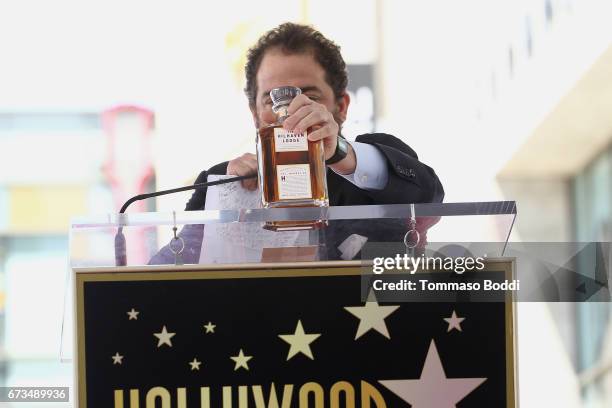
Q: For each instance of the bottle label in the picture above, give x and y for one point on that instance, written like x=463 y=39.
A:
x=287 y=141
x=293 y=181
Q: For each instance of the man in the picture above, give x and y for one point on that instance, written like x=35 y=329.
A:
x=377 y=169
x=374 y=169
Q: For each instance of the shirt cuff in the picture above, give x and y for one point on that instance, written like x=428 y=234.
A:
x=371 y=172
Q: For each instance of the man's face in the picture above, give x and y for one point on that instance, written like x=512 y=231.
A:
x=299 y=70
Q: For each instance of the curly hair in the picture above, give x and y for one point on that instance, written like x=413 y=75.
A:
x=294 y=38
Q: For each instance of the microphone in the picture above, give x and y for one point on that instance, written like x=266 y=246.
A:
x=120 y=245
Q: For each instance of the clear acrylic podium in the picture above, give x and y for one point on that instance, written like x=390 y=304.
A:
x=152 y=306
x=92 y=238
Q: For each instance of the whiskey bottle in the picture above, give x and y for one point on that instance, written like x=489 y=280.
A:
x=291 y=168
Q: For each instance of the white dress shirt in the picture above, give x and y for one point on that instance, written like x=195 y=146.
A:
x=371 y=172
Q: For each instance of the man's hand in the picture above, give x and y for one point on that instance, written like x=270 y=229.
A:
x=306 y=113
x=245 y=165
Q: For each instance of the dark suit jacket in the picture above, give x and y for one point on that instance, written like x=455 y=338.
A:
x=410 y=181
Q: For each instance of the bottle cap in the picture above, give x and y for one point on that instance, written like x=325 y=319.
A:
x=283 y=96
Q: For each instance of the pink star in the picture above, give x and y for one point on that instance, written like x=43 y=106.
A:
x=433 y=389
x=454 y=322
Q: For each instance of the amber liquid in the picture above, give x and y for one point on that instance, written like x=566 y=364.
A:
x=269 y=158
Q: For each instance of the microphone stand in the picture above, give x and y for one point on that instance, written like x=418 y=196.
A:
x=120 y=244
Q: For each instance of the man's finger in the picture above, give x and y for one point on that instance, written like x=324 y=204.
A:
x=298 y=102
x=250 y=184
x=244 y=165
x=322 y=133
x=316 y=117
x=247 y=168
x=297 y=116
